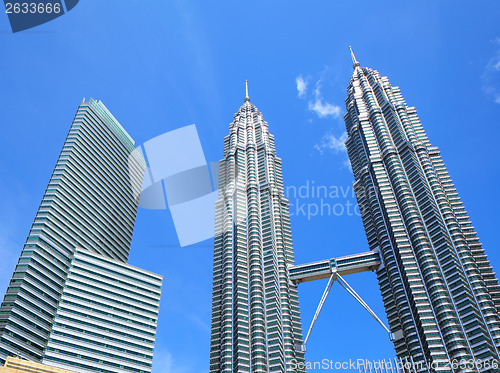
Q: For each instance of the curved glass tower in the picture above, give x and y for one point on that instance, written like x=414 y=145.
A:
x=255 y=311
x=440 y=293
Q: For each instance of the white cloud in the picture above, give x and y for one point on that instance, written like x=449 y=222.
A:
x=491 y=76
x=335 y=145
x=301 y=86
x=163 y=362
x=496 y=65
x=316 y=102
x=332 y=143
x=322 y=108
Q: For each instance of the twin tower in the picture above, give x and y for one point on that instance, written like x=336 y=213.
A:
x=75 y=303
x=441 y=297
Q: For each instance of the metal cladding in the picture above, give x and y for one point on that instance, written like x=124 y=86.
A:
x=440 y=293
x=255 y=311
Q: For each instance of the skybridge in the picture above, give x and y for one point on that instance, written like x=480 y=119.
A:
x=333 y=269
x=343 y=265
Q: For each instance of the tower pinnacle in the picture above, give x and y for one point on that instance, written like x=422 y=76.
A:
x=369 y=90
x=355 y=62
x=250 y=275
x=247 y=98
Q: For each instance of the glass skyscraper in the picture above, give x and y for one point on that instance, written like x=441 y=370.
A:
x=106 y=319
x=73 y=300
x=255 y=311
x=441 y=296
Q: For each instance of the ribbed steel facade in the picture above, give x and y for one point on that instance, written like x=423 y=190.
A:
x=255 y=311
x=440 y=293
x=91 y=202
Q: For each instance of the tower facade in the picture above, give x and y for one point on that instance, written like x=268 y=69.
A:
x=90 y=207
x=107 y=317
x=440 y=294
x=255 y=311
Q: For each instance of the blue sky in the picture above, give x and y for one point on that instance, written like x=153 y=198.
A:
x=159 y=66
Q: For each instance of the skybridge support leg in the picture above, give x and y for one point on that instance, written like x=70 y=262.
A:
x=360 y=300
x=335 y=276
x=320 y=306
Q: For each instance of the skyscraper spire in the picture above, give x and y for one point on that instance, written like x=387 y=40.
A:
x=247 y=98
x=255 y=308
x=355 y=62
x=435 y=271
